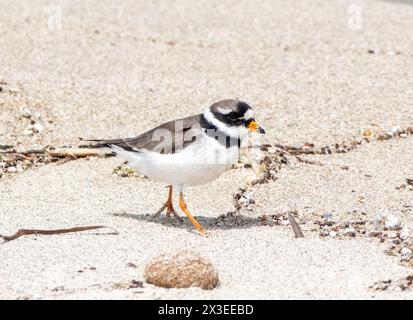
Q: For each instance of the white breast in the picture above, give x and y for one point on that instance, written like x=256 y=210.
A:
x=200 y=162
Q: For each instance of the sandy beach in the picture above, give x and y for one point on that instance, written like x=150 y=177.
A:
x=318 y=73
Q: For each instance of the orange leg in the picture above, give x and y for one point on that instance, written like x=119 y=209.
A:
x=184 y=208
x=169 y=206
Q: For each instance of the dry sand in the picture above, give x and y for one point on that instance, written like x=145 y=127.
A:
x=114 y=69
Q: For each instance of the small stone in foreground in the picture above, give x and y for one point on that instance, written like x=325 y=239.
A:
x=133 y=284
x=181 y=270
x=405 y=233
x=131 y=265
x=350 y=231
x=406 y=253
x=392 y=222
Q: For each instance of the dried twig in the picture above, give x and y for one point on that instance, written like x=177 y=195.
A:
x=27 y=152
x=26 y=232
x=77 y=153
x=309 y=161
x=296 y=228
x=61 y=153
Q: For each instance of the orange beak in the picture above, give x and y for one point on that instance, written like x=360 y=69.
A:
x=253 y=126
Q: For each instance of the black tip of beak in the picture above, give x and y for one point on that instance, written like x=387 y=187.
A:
x=262 y=131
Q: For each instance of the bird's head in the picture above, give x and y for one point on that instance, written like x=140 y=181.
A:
x=234 y=117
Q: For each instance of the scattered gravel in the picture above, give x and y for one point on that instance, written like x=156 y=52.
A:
x=401 y=284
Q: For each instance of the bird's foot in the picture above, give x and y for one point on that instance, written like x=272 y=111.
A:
x=157 y=213
x=184 y=208
x=169 y=210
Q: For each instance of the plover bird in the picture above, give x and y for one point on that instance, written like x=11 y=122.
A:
x=189 y=151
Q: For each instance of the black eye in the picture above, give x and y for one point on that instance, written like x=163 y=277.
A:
x=247 y=122
x=235 y=115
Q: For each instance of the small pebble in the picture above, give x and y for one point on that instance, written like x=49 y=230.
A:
x=375 y=233
x=384 y=135
x=26 y=113
x=379 y=217
x=350 y=231
x=58 y=288
x=381 y=285
x=12 y=169
x=131 y=265
x=404 y=233
x=27 y=133
x=327 y=216
x=406 y=253
x=38 y=128
x=397 y=130
x=368 y=133
x=135 y=284
x=246 y=199
x=311 y=211
x=392 y=222
x=284 y=223
x=324 y=233
x=392 y=235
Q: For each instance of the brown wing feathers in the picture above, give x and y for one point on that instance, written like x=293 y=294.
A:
x=178 y=134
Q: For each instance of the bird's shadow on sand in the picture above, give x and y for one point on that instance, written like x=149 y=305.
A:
x=223 y=222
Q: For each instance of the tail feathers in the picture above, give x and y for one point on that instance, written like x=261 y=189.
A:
x=118 y=146
x=131 y=157
x=99 y=143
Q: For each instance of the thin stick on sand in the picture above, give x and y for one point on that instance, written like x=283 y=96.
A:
x=26 y=232
x=76 y=153
x=61 y=152
x=309 y=161
x=296 y=228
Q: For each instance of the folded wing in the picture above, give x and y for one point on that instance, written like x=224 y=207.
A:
x=167 y=138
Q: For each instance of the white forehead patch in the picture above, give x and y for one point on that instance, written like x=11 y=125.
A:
x=223 y=111
x=249 y=114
